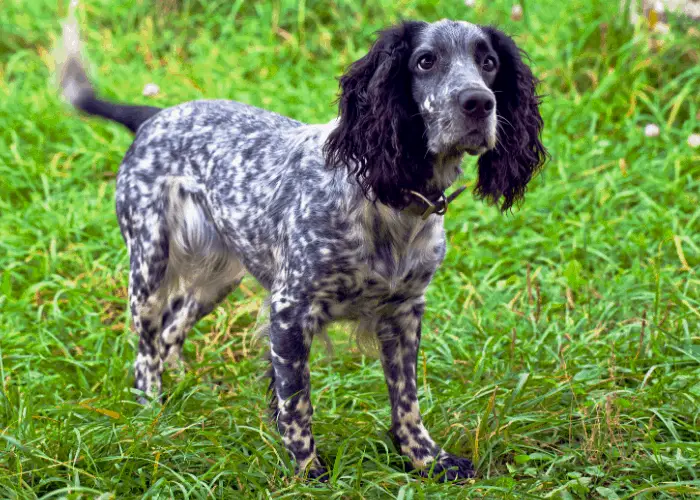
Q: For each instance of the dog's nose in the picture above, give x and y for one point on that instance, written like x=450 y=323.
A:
x=476 y=103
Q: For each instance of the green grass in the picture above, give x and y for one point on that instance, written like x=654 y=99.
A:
x=562 y=348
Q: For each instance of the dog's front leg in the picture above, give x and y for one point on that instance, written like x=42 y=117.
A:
x=399 y=337
x=290 y=343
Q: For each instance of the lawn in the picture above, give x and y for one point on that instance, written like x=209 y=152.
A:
x=562 y=342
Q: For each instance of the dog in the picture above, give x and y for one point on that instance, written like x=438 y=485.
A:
x=340 y=221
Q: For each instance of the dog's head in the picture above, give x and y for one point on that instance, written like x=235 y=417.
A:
x=425 y=95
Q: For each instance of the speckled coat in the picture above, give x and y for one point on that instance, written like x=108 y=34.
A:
x=326 y=217
x=306 y=233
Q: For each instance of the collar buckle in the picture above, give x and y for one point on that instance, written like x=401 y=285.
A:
x=440 y=206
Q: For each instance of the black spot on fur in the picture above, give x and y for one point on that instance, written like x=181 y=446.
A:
x=167 y=316
x=177 y=304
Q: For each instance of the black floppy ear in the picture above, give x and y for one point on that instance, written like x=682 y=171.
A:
x=519 y=153
x=379 y=135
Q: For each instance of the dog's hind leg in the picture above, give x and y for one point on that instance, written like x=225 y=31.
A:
x=186 y=307
x=179 y=272
x=148 y=249
x=201 y=270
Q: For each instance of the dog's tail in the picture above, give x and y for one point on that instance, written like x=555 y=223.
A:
x=78 y=90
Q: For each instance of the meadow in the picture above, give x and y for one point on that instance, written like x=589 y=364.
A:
x=561 y=346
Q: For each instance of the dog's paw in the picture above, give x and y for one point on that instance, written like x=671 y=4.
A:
x=317 y=474
x=146 y=400
x=448 y=467
x=314 y=471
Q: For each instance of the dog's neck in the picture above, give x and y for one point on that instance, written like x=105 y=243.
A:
x=432 y=197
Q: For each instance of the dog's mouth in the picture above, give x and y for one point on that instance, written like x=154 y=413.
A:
x=471 y=140
x=473 y=143
x=475 y=151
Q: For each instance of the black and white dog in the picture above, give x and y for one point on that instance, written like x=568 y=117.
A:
x=336 y=221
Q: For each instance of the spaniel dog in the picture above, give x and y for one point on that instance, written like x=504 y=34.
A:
x=341 y=221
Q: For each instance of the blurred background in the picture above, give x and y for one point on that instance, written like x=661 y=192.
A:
x=562 y=340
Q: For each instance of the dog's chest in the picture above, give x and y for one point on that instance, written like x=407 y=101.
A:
x=385 y=270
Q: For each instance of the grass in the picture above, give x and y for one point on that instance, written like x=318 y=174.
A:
x=562 y=348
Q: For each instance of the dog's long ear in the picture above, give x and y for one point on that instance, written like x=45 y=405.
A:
x=519 y=153
x=379 y=135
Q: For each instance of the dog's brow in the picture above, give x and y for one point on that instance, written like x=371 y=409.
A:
x=482 y=45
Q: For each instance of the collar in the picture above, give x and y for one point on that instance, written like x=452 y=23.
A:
x=423 y=206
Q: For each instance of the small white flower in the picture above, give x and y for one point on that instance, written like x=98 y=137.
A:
x=662 y=28
x=470 y=3
x=151 y=89
x=652 y=130
x=694 y=140
x=516 y=13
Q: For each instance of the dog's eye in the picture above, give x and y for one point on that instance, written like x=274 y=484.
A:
x=489 y=64
x=426 y=62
